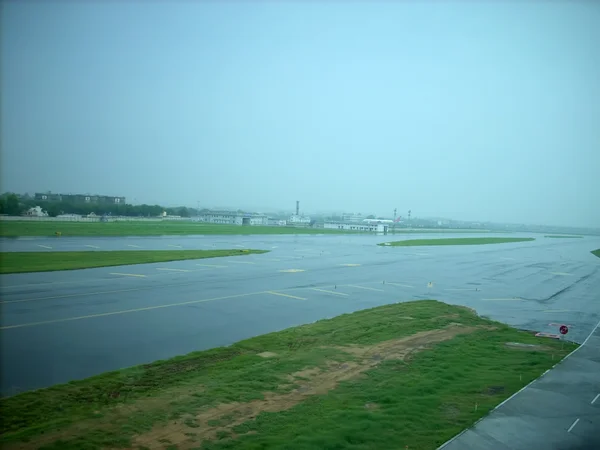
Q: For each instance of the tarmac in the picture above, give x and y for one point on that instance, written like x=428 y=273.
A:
x=61 y=326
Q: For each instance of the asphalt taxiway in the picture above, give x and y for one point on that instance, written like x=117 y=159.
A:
x=62 y=326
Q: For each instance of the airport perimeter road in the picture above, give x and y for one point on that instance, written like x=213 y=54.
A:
x=62 y=326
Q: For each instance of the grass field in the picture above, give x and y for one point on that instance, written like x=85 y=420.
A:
x=557 y=236
x=14 y=229
x=21 y=262
x=407 y=375
x=596 y=253
x=455 y=241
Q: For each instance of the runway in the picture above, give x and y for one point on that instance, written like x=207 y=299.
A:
x=62 y=326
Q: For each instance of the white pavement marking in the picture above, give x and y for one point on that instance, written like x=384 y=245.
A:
x=127 y=311
x=501 y=299
x=128 y=274
x=274 y=246
x=292 y=270
x=241 y=262
x=44 y=246
x=563 y=274
x=507 y=259
x=461 y=289
x=364 y=287
x=329 y=292
x=134 y=246
x=176 y=246
x=92 y=246
x=595 y=398
x=350 y=265
x=589 y=336
x=238 y=245
x=557 y=310
x=285 y=295
x=398 y=284
x=573 y=426
x=172 y=270
x=216 y=266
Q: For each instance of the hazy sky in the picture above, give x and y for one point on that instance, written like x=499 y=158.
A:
x=474 y=110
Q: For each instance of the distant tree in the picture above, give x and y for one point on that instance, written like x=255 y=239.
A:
x=12 y=205
x=53 y=209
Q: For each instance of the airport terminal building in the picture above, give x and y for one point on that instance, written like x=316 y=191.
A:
x=233 y=218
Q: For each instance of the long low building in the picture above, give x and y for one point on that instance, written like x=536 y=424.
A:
x=378 y=228
x=233 y=218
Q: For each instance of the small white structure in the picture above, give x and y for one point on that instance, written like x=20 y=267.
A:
x=36 y=211
x=378 y=228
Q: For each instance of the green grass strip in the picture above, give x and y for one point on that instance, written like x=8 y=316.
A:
x=22 y=262
x=455 y=241
x=26 y=228
x=303 y=393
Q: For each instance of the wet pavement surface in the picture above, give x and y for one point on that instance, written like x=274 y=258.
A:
x=62 y=326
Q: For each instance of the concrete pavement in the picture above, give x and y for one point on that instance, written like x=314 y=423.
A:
x=61 y=326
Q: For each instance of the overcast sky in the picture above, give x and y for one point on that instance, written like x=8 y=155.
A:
x=474 y=110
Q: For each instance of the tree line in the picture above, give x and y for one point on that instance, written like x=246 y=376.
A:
x=14 y=205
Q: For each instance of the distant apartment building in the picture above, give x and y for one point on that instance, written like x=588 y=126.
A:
x=233 y=218
x=80 y=198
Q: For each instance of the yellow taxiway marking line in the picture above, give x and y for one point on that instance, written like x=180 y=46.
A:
x=284 y=295
x=127 y=311
x=292 y=270
x=176 y=246
x=350 y=265
x=241 y=262
x=216 y=266
x=173 y=270
x=366 y=288
x=329 y=292
x=134 y=246
x=501 y=299
x=128 y=274
x=44 y=246
x=92 y=246
x=398 y=284
x=561 y=273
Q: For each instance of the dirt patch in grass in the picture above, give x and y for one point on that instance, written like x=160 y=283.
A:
x=267 y=354
x=310 y=381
